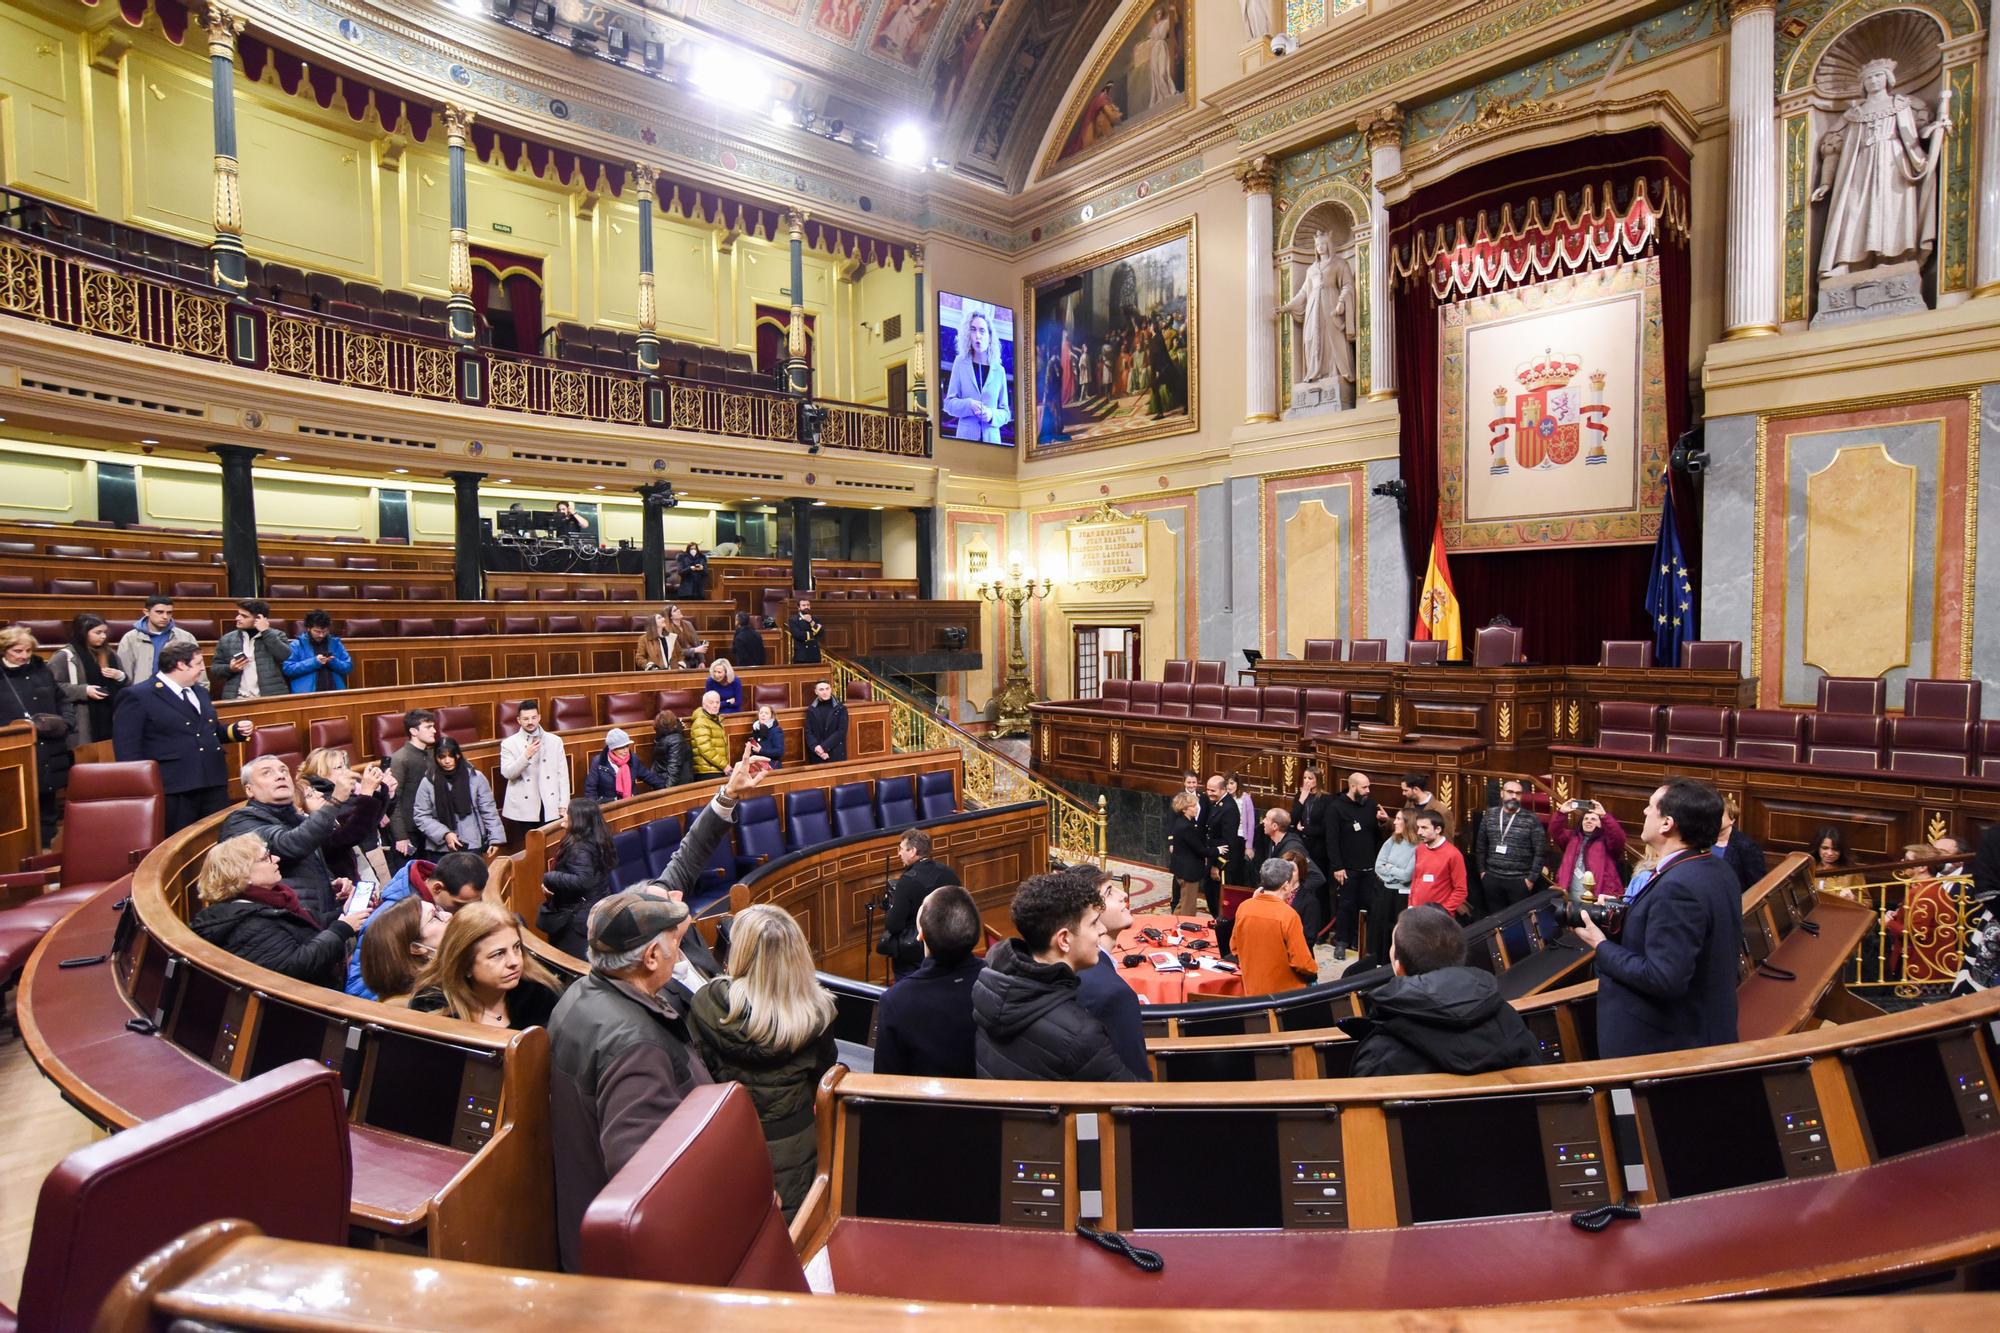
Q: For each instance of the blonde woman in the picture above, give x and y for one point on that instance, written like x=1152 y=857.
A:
x=354 y=851
x=767 y=1025
x=252 y=915
x=483 y=973
x=976 y=394
x=722 y=679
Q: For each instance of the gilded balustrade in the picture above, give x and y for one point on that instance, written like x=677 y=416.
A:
x=54 y=288
x=1923 y=924
x=1076 y=832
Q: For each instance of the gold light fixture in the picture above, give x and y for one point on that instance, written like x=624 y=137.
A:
x=1016 y=589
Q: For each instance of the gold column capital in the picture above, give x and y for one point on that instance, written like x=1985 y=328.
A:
x=1258 y=176
x=795 y=222
x=457 y=124
x=224 y=26
x=917 y=255
x=1736 y=9
x=1384 y=129
x=645 y=178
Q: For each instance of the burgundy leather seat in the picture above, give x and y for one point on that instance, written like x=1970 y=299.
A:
x=1624 y=653
x=564 y=624
x=113 y=811
x=571 y=712
x=552 y=594
x=608 y=625
x=133 y=587
x=288 y=590
x=1179 y=670
x=1846 y=740
x=1775 y=735
x=1242 y=704
x=631 y=707
x=24 y=584
x=1175 y=699
x=1368 y=650
x=695 y=1204
x=48 y=633
x=110 y=1204
x=459 y=722
x=1953 y=700
x=1933 y=745
x=520 y=625
x=1624 y=725
x=74 y=552
x=590 y=594
x=1207 y=672
x=386 y=734
x=416 y=626
x=1853 y=694
x=1698 y=729
x=1145 y=697
x=1323 y=650
x=1496 y=645
x=1712 y=655
x=1423 y=652
x=202 y=627
x=468 y=625
x=507 y=717
x=320 y=562
x=334 y=592
x=1280 y=705
x=1116 y=696
x=778 y=696
x=278 y=738
x=69 y=587
x=625 y=593
x=1989 y=749
x=333 y=733
x=510 y=594
x=362 y=627
x=381 y=592
x=1208 y=703
x=1324 y=712
x=195 y=588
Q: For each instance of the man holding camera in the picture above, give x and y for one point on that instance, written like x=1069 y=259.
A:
x=1668 y=983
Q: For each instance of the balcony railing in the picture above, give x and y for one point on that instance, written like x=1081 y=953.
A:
x=53 y=284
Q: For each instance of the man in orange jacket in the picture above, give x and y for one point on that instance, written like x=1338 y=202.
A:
x=1269 y=939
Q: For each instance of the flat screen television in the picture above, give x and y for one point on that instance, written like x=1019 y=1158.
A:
x=975 y=403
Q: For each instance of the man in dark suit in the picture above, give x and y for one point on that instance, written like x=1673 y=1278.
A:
x=805 y=632
x=899 y=942
x=825 y=726
x=171 y=721
x=1353 y=836
x=1223 y=823
x=1668 y=983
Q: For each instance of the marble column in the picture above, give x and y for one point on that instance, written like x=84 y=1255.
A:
x=653 y=540
x=920 y=352
x=1385 y=159
x=927 y=530
x=240 y=561
x=467 y=539
x=797 y=367
x=1986 y=260
x=647 y=353
x=226 y=260
x=1750 y=296
x=1260 y=292
x=458 y=269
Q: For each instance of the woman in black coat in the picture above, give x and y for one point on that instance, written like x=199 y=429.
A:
x=257 y=918
x=28 y=691
x=673 y=756
x=580 y=876
x=694 y=573
x=1187 y=852
x=746 y=646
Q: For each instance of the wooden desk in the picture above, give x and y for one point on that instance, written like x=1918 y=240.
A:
x=1586 y=687
x=1453 y=763
x=385 y=555
x=1147 y=752
x=20 y=800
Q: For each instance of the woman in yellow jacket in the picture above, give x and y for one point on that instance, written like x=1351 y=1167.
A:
x=711 y=743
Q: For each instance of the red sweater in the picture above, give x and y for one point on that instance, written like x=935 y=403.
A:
x=1439 y=878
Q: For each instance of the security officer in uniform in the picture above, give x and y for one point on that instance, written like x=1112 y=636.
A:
x=171 y=721
x=805 y=632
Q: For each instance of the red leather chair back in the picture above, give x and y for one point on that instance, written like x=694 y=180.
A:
x=1116 y=695
x=1698 y=729
x=631 y=707
x=113 y=811
x=464 y=625
x=1776 y=735
x=25 y=583
x=570 y=712
x=288 y=590
x=1625 y=653
x=1324 y=711
x=331 y=592
x=1712 y=655
x=1207 y=672
x=1323 y=650
x=133 y=588
x=608 y=624
x=1623 y=725
x=1180 y=670
x=70 y=587
x=1423 y=652
x=320 y=562
x=625 y=593
x=696 y=1204
x=1867 y=695
x=363 y=627
x=1208 y=703
x=1145 y=696
x=1175 y=699
x=860 y=691
x=332 y=733
x=1989 y=749
x=1243 y=704
x=679 y=702
x=565 y=624
x=386 y=734
x=416 y=626
x=458 y=722
x=195 y=588
x=590 y=594
x=203 y=629
x=280 y=739
x=1496 y=645
x=1847 y=740
x=73 y=552
x=1368 y=650
x=1952 y=700
x=778 y=696
x=1936 y=746
x=112 y=1203
x=381 y=592
x=182 y=557
x=510 y=594
x=520 y=625
x=1280 y=705
x=552 y=594
x=507 y=717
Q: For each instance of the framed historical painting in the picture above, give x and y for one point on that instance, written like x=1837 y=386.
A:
x=1552 y=421
x=1112 y=351
x=1145 y=75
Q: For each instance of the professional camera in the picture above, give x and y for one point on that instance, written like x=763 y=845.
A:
x=1608 y=914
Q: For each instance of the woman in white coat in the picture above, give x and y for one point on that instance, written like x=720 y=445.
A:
x=977 y=392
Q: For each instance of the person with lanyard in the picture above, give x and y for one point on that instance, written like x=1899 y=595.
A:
x=1668 y=982
x=1508 y=849
x=976 y=394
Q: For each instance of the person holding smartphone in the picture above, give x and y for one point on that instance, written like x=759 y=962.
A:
x=250 y=659
x=1590 y=855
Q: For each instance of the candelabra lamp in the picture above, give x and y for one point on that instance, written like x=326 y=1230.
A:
x=1015 y=591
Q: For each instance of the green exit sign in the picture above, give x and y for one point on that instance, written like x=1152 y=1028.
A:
x=503 y=229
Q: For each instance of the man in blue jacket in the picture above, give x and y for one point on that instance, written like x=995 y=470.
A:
x=1668 y=983
x=457 y=879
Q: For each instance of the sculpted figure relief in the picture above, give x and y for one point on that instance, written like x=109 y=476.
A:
x=1877 y=168
x=1325 y=305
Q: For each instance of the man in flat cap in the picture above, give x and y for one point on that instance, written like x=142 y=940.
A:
x=620 y=1058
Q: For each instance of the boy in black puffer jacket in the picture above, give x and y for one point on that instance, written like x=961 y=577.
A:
x=1438 y=1016
x=1029 y=1022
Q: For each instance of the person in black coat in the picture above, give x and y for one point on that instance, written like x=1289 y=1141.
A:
x=746 y=646
x=1309 y=818
x=1668 y=982
x=805 y=632
x=600 y=780
x=825 y=727
x=899 y=943
x=1353 y=836
x=169 y=719
x=694 y=573
x=1438 y=1016
x=923 y=1026
x=1278 y=836
x=1222 y=827
x=253 y=915
x=297 y=839
x=673 y=758
x=1104 y=993
x=580 y=876
x=1025 y=1005
x=1187 y=852
x=28 y=691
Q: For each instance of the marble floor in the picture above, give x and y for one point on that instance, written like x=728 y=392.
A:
x=37 y=1130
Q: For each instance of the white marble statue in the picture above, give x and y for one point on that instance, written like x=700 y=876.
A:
x=1325 y=304
x=1257 y=19
x=1883 y=208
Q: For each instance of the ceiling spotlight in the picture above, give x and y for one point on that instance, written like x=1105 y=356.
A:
x=906 y=145
x=730 y=76
x=149 y=441
x=402 y=472
x=281 y=458
x=782 y=117
x=616 y=43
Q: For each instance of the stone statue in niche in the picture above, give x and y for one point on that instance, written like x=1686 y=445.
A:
x=1325 y=307
x=1877 y=177
x=1257 y=19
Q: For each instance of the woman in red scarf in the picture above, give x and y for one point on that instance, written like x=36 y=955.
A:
x=257 y=918
x=614 y=774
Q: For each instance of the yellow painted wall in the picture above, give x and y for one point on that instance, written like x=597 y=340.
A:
x=899 y=544
x=39 y=487
x=45 y=99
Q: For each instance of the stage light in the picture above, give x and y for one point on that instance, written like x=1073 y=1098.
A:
x=543 y=16
x=730 y=76
x=616 y=43
x=782 y=117
x=906 y=145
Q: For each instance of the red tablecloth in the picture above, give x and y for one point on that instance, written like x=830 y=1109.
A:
x=1157 y=987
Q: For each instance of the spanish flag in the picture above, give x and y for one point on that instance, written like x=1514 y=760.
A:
x=1437 y=605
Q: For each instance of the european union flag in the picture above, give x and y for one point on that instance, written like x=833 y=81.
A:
x=1669 y=593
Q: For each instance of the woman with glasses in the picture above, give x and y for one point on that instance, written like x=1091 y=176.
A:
x=252 y=914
